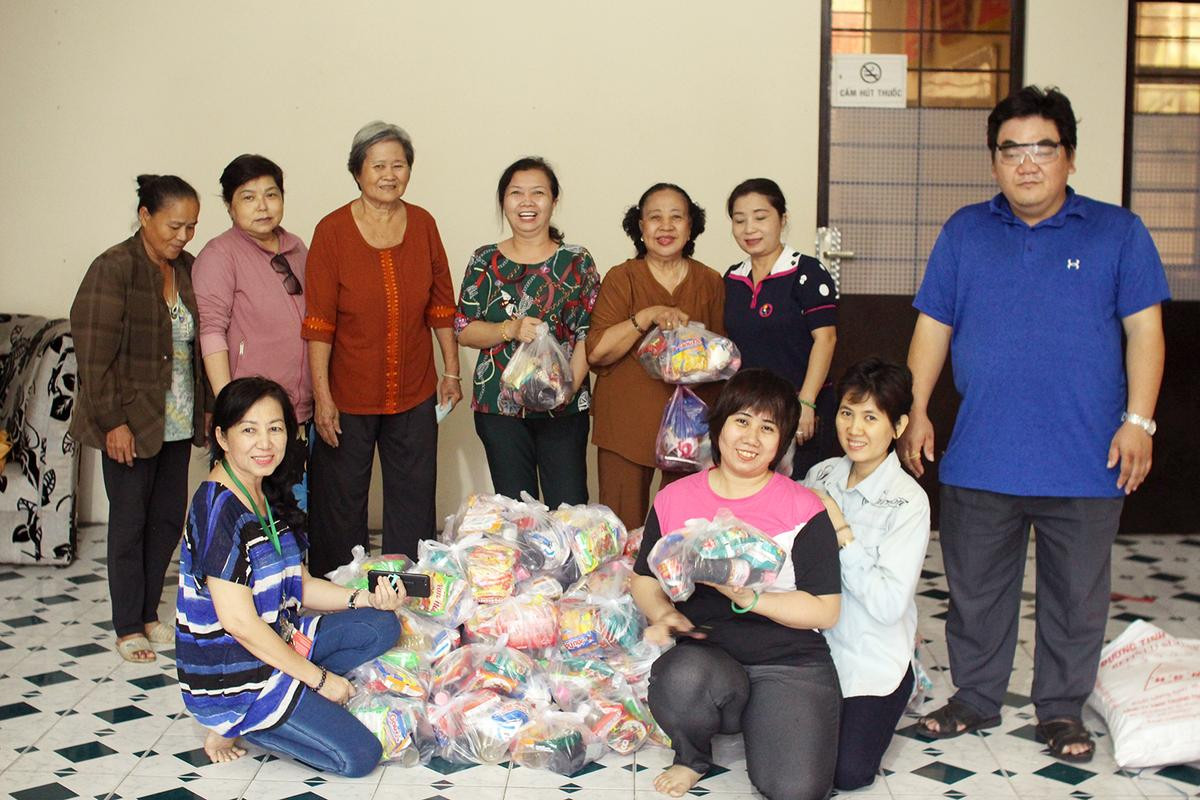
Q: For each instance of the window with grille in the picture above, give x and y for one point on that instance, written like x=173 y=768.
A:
x=1162 y=179
x=891 y=177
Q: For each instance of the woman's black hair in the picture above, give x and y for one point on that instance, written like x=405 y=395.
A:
x=629 y=223
x=232 y=404
x=764 y=186
x=763 y=392
x=247 y=167
x=156 y=191
x=1033 y=101
x=887 y=383
x=529 y=162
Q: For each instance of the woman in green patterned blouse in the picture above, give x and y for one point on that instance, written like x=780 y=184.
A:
x=509 y=289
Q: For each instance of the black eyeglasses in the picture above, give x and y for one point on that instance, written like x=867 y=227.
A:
x=284 y=270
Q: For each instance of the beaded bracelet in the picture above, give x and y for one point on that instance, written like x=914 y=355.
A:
x=321 y=683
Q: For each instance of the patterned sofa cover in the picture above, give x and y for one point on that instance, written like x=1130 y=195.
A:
x=37 y=486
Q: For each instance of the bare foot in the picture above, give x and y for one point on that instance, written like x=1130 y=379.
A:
x=676 y=780
x=221 y=748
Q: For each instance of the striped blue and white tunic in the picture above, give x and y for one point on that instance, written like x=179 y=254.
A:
x=225 y=687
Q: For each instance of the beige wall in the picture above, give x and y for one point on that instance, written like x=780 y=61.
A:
x=617 y=94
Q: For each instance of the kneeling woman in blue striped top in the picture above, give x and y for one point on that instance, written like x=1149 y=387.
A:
x=250 y=665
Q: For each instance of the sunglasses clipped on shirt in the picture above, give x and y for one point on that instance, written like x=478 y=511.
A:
x=282 y=268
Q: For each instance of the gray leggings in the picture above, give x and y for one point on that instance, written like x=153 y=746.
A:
x=788 y=716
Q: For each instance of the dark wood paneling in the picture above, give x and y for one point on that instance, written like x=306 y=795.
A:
x=882 y=325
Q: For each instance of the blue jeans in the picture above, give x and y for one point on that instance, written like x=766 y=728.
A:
x=321 y=733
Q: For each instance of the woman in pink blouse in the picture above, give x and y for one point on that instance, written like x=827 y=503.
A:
x=250 y=287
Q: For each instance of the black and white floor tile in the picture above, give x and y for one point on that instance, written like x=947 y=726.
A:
x=76 y=721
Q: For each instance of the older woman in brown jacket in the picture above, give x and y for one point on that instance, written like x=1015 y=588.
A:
x=142 y=399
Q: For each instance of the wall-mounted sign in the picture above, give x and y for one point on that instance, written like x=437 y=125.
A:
x=871 y=80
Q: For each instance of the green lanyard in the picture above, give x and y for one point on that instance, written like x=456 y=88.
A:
x=268 y=529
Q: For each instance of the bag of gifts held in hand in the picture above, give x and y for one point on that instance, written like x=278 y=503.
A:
x=539 y=375
x=723 y=551
x=683 y=444
x=688 y=354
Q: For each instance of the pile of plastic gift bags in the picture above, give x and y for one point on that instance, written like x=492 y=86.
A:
x=528 y=648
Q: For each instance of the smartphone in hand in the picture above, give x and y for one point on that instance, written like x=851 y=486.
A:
x=415 y=584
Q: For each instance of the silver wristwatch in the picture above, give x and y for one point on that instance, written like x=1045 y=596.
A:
x=1148 y=425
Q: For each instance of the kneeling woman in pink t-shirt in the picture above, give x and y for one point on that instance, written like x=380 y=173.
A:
x=744 y=661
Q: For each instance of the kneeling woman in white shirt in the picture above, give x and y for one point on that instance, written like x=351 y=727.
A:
x=882 y=520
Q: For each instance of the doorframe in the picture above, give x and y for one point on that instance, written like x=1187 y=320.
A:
x=1016 y=61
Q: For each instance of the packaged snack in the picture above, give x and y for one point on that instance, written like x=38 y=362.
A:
x=399 y=723
x=618 y=719
x=595 y=534
x=478 y=727
x=688 y=354
x=487 y=666
x=396 y=672
x=723 y=551
x=557 y=741
x=530 y=622
x=425 y=638
x=633 y=543
x=490 y=566
x=538 y=377
x=450 y=600
x=683 y=444
x=542 y=585
x=595 y=626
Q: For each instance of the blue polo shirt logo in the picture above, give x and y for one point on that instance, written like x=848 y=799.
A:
x=765 y=310
x=1072 y=263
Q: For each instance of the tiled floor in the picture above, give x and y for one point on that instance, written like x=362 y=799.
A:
x=76 y=721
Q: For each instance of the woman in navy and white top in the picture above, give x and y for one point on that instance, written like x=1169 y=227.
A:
x=781 y=312
x=250 y=664
x=881 y=516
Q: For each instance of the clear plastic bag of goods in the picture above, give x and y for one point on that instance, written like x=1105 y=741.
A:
x=346 y=573
x=1148 y=691
x=478 y=727
x=524 y=621
x=598 y=626
x=424 y=637
x=450 y=600
x=399 y=723
x=682 y=444
x=396 y=672
x=595 y=534
x=545 y=543
x=618 y=719
x=490 y=566
x=573 y=679
x=484 y=665
x=538 y=376
x=557 y=741
x=723 y=550
x=480 y=513
x=689 y=353
x=610 y=580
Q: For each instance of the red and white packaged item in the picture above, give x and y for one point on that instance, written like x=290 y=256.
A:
x=1148 y=691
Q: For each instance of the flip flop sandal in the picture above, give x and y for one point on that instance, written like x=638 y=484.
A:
x=1058 y=734
x=161 y=633
x=950 y=716
x=129 y=648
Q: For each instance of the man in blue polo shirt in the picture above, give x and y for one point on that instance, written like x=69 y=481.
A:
x=1030 y=294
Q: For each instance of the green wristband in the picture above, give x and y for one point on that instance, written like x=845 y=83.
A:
x=804 y=402
x=739 y=610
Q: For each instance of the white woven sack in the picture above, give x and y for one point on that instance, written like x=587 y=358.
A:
x=1148 y=691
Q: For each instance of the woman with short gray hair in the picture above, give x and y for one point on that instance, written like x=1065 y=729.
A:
x=378 y=282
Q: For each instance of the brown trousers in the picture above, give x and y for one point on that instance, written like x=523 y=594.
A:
x=625 y=486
